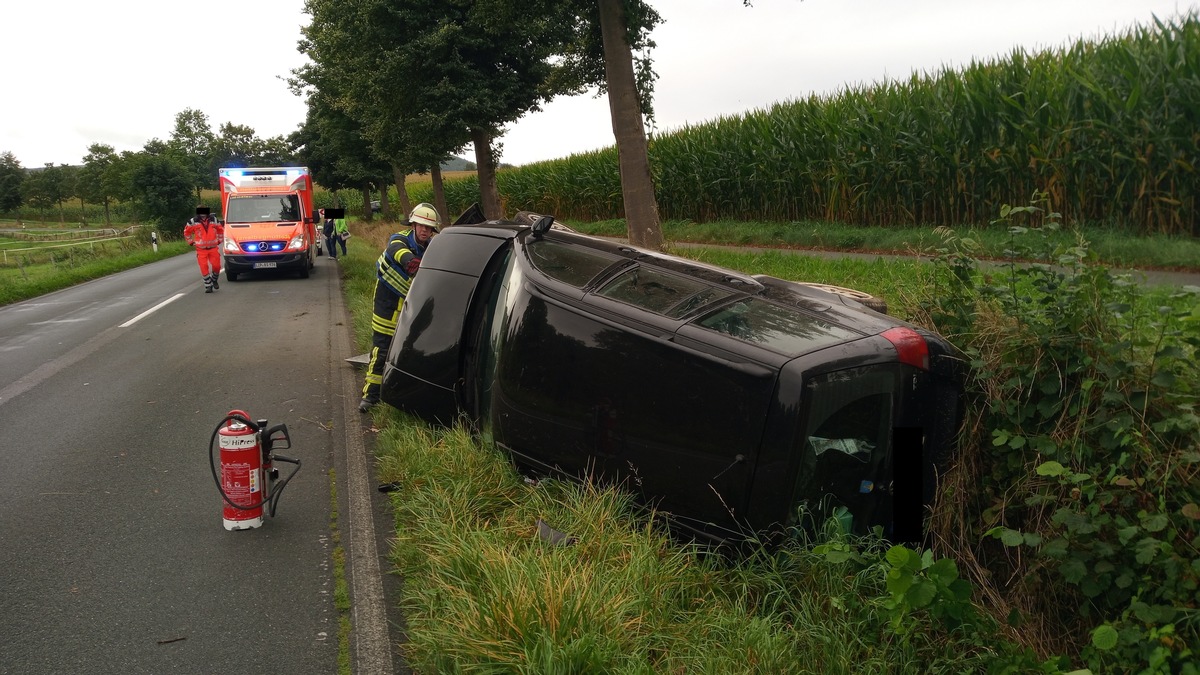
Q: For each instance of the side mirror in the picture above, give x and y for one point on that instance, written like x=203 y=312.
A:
x=541 y=225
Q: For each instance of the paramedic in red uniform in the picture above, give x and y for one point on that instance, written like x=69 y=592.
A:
x=206 y=235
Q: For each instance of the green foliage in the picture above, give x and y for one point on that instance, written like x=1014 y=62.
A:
x=11 y=178
x=1086 y=395
x=46 y=187
x=1106 y=127
x=163 y=190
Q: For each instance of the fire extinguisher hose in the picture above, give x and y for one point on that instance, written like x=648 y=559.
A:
x=272 y=500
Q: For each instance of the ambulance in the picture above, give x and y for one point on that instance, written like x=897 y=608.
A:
x=270 y=222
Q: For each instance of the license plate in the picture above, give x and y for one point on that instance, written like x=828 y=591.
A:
x=264 y=266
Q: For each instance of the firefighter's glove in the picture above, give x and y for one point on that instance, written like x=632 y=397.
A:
x=412 y=265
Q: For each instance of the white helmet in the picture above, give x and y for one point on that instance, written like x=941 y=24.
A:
x=424 y=214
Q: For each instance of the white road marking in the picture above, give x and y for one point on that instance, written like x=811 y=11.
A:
x=150 y=311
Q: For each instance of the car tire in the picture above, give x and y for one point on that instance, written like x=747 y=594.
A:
x=304 y=270
x=230 y=275
x=868 y=300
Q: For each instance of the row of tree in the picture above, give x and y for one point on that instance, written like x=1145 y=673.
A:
x=162 y=182
x=396 y=88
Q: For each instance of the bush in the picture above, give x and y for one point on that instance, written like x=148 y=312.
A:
x=1084 y=437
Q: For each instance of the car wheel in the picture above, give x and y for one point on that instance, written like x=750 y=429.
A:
x=230 y=275
x=870 y=301
x=304 y=270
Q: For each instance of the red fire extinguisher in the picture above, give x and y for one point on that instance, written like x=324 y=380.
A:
x=247 y=478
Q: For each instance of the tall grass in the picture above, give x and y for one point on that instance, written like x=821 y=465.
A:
x=1106 y=128
x=484 y=593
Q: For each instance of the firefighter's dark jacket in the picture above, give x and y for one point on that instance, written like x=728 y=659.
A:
x=391 y=267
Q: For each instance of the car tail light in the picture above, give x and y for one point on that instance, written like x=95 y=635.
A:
x=910 y=346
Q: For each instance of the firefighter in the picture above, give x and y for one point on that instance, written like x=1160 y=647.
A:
x=206 y=235
x=394 y=271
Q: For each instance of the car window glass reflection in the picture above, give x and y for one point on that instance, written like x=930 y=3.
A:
x=652 y=290
x=782 y=329
x=573 y=265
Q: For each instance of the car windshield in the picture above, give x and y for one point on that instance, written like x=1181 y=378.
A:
x=779 y=328
x=262 y=208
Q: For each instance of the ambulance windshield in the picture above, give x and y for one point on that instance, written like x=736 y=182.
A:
x=262 y=208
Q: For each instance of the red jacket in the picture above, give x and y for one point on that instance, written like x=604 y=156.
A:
x=204 y=234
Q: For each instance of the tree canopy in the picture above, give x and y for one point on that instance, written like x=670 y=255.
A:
x=422 y=80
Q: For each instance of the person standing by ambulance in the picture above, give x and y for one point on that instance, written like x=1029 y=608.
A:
x=394 y=272
x=335 y=230
x=206 y=236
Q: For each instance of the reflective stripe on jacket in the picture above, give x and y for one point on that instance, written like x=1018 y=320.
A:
x=204 y=235
x=401 y=248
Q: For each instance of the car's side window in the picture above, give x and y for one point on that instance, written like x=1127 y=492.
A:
x=660 y=292
x=574 y=265
x=783 y=329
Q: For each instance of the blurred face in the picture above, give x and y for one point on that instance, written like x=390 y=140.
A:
x=423 y=233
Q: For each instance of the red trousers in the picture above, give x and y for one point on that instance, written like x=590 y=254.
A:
x=210 y=261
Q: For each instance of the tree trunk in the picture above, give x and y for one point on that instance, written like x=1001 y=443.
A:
x=385 y=204
x=366 y=193
x=401 y=191
x=107 y=221
x=439 y=195
x=489 y=193
x=637 y=188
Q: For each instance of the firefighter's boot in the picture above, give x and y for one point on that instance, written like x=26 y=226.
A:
x=368 y=402
x=215 y=279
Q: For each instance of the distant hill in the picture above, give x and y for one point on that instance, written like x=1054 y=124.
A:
x=458 y=164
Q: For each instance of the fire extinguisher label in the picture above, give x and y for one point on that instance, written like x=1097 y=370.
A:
x=238 y=442
x=254 y=481
x=238 y=481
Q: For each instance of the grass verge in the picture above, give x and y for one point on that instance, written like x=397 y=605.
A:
x=1112 y=247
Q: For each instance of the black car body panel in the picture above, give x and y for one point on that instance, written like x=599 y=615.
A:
x=736 y=403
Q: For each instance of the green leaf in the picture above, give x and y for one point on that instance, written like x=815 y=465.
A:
x=1156 y=522
x=1146 y=549
x=944 y=570
x=1051 y=468
x=1011 y=538
x=1171 y=351
x=1073 y=571
x=898 y=583
x=921 y=594
x=1104 y=637
x=1164 y=379
x=899 y=556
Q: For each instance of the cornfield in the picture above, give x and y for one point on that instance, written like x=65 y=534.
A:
x=1109 y=129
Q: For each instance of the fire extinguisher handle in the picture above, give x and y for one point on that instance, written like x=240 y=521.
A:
x=234 y=417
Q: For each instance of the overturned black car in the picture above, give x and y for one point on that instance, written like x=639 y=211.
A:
x=738 y=404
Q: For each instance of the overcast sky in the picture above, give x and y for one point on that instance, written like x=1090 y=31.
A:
x=78 y=72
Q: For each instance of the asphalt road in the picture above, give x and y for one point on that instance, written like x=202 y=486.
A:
x=113 y=558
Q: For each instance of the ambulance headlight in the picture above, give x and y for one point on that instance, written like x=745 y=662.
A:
x=296 y=243
x=231 y=246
